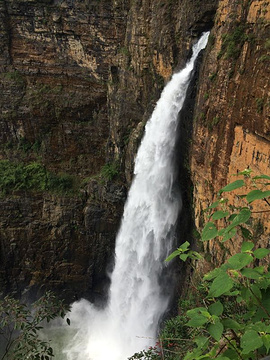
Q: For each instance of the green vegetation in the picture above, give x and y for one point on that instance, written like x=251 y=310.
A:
x=264 y=58
x=15 y=76
x=213 y=76
x=109 y=171
x=22 y=147
x=214 y=122
x=124 y=51
x=267 y=44
x=259 y=105
x=20 y=327
x=32 y=176
x=232 y=43
x=227 y=313
x=211 y=40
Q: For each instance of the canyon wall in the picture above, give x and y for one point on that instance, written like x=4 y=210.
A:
x=79 y=80
x=232 y=116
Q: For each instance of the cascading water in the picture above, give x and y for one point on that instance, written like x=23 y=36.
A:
x=136 y=304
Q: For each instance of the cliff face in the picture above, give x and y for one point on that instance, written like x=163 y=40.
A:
x=79 y=79
x=55 y=65
x=232 y=126
x=78 y=82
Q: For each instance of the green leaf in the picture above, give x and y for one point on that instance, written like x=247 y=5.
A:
x=231 y=354
x=253 y=195
x=214 y=205
x=250 y=341
x=220 y=285
x=266 y=342
x=212 y=274
x=209 y=231
x=221 y=232
x=216 y=330
x=246 y=233
x=240 y=260
x=259 y=269
x=232 y=293
x=261 y=177
x=232 y=217
x=195 y=311
x=184 y=247
x=256 y=291
x=245 y=294
x=196 y=354
x=228 y=235
x=261 y=253
x=196 y=256
x=184 y=257
x=232 y=186
x=245 y=172
x=206 y=314
x=173 y=255
x=197 y=321
x=216 y=308
x=201 y=341
x=242 y=217
x=68 y=321
x=257 y=195
x=231 y=324
x=250 y=273
x=247 y=246
x=217 y=215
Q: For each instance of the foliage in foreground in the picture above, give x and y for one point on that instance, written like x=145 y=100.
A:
x=232 y=321
x=20 y=327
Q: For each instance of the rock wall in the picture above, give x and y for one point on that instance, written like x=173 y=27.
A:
x=79 y=79
x=55 y=66
x=232 y=120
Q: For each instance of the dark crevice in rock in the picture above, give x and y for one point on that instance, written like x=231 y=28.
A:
x=185 y=223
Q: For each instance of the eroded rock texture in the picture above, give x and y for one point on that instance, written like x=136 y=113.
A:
x=78 y=82
x=79 y=79
x=232 y=129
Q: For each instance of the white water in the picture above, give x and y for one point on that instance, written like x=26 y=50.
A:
x=130 y=321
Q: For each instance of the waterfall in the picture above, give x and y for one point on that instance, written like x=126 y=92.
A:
x=136 y=304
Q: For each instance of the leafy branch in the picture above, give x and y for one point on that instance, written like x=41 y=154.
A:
x=238 y=280
x=20 y=326
x=232 y=321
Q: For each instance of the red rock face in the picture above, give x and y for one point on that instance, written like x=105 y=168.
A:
x=232 y=130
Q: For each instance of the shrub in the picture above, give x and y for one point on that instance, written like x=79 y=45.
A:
x=232 y=321
x=20 y=327
x=109 y=171
x=219 y=332
x=232 y=43
x=32 y=176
